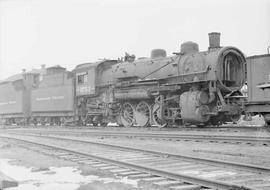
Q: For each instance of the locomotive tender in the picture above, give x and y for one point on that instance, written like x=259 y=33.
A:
x=42 y=96
x=192 y=86
x=15 y=99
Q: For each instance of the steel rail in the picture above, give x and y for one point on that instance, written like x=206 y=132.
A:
x=190 y=179
x=247 y=167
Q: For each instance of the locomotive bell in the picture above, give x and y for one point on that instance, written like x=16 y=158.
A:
x=189 y=47
x=157 y=53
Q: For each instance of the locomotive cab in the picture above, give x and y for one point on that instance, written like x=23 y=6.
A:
x=92 y=92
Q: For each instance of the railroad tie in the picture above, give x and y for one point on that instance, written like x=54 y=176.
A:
x=186 y=187
x=59 y=153
x=119 y=170
x=68 y=156
x=79 y=159
x=167 y=183
x=109 y=167
x=129 y=173
x=89 y=162
x=139 y=176
x=100 y=165
x=150 y=180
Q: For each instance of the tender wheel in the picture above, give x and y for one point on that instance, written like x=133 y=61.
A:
x=156 y=114
x=142 y=114
x=103 y=124
x=96 y=120
x=84 y=120
x=69 y=121
x=127 y=115
x=95 y=124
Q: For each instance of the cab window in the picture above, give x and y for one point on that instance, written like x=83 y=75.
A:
x=82 y=78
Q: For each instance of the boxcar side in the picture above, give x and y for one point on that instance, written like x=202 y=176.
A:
x=258 y=81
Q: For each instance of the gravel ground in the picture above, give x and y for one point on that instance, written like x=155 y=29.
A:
x=23 y=158
x=243 y=153
x=258 y=155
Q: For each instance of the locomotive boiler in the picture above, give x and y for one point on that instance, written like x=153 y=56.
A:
x=192 y=86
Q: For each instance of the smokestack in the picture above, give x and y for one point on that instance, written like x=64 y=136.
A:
x=23 y=70
x=43 y=66
x=214 y=40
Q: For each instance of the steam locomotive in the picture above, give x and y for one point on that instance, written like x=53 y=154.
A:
x=191 y=87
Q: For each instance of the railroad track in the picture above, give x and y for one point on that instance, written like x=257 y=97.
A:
x=178 y=128
x=248 y=140
x=161 y=169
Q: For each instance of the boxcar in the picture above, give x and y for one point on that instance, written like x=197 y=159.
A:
x=258 y=81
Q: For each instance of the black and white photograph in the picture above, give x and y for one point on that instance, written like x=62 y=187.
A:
x=135 y=94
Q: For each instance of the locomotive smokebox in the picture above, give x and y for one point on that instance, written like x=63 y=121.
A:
x=157 y=53
x=214 y=40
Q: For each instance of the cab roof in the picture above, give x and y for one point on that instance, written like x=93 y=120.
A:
x=86 y=66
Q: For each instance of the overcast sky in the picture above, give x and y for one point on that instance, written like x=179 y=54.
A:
x=70 y=32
